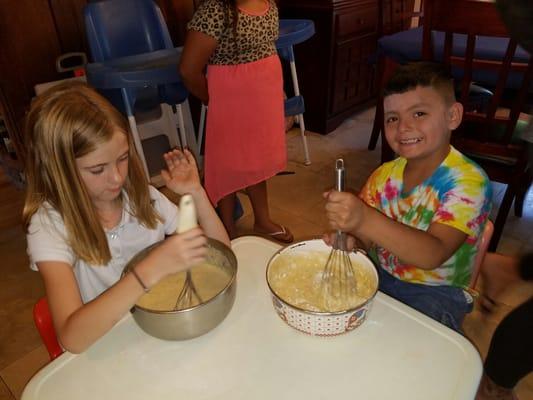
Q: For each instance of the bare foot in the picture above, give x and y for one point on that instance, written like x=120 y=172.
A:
x=489 y=390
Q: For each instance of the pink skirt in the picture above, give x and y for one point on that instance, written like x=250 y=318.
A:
x=245 y=132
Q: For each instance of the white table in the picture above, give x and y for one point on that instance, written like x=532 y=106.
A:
x=397 y=353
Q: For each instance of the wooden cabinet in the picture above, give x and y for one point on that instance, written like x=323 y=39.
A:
x=335 y=68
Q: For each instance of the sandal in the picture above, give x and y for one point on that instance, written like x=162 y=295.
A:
x=283 y=235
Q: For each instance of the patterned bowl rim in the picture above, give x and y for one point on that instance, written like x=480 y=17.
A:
x=284 y=249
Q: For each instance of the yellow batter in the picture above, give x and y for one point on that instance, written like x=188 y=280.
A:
x=208 y=279
x=296 y=278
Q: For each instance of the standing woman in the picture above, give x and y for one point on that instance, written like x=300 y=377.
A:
x=245 y=139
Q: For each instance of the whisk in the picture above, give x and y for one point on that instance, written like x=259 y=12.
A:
x=188 y=296
x=338 y=287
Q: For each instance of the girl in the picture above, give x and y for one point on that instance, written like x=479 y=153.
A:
x=245 y=139
x=89 y=209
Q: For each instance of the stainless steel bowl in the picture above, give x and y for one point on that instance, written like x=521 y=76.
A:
x=322 y=323
x=197 y=320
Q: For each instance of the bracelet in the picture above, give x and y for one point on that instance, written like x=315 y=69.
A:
x=145 y=288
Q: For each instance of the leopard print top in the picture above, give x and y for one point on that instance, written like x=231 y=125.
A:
x=256 y=34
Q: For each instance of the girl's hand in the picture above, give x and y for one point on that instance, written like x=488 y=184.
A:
x=177 y=253
x=181 y=175
x=344 y=211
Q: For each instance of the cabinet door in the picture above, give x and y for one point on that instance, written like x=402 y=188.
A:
x=353 y=73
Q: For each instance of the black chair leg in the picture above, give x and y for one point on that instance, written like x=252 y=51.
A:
x=376 y=128
x=523 y=188
x=503 y=212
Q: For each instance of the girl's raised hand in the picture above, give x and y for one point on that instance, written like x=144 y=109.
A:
x=181 y=175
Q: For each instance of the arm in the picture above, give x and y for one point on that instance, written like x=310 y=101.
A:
x=197 y=49
x=181 y=176
x=79 y=325
x=424 y=249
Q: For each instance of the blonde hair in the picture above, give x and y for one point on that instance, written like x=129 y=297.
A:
x=69 y=121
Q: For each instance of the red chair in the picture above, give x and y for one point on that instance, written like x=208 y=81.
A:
x=482 y=247
x=45 y=326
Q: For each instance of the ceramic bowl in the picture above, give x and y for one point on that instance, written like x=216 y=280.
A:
x=322 y=323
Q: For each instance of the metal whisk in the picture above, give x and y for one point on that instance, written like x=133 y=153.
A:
x=188 y=296
x=338 y=286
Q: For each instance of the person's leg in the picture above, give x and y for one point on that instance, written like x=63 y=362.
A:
x=226 y=207
x=498 y=273
x=446 y=304
x=510 y=355
x=262 y=223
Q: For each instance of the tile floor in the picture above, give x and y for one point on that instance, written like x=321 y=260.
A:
x=295 y=201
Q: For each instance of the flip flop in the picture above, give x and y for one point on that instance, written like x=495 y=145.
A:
x=279 y=235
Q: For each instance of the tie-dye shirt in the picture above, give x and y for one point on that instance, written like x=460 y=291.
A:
x=457 y=194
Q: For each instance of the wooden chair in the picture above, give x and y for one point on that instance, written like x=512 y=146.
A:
x=45 y=326
x=488 y=132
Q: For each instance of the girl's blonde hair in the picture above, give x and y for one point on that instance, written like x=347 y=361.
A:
x=69 y=121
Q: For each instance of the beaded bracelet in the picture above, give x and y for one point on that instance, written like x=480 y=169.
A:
x=145 y=288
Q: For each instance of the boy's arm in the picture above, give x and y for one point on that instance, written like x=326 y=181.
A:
x=424 y=249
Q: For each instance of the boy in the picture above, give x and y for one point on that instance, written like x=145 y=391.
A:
x=420 y=214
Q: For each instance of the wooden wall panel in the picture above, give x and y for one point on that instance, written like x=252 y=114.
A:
x=29 y=49
x=68 y=20
x=177 y=13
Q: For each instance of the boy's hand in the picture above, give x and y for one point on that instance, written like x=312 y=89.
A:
x=330 y=237
x=181 y=175
x=344 y=211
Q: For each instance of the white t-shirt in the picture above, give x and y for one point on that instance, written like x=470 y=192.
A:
x=47 y=242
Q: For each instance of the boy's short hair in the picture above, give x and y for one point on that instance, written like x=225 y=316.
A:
x=424 y=74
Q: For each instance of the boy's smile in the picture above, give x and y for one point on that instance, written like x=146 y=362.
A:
x=418 y=124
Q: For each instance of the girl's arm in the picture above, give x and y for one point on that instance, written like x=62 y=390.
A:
x=424 y=249
x=79 y=325
x=181 y=176
x=208 y=218
x=197 y=49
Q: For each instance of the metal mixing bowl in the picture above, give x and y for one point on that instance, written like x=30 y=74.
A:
x=322 y=323
x=195 y=321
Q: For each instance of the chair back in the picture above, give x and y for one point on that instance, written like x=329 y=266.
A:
x=467 y=25
x=45 y=327
x=470 y=37
x=119 y=28
x=482 y=248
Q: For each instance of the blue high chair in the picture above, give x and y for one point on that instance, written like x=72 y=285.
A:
x=291 y=32
x=135 y=64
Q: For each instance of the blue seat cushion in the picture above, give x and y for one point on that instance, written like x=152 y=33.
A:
x=406 y=46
